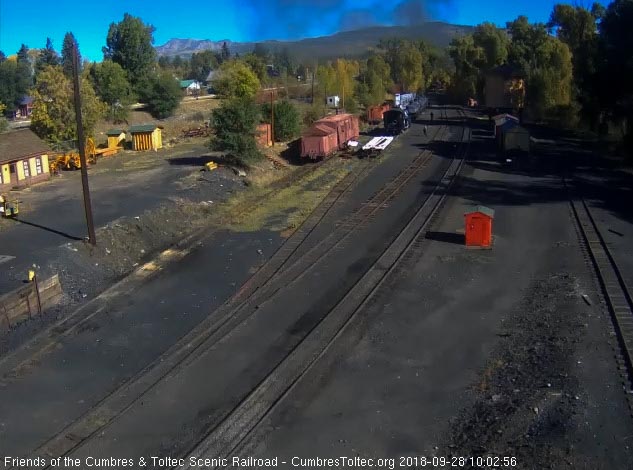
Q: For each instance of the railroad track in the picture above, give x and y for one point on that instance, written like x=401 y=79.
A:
x=224 y=439
x=616 y=292
x=266 y=282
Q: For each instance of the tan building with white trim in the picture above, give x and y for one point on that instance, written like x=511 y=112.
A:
x=23 y=159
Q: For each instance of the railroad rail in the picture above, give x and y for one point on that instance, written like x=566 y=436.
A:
x=222 y=441
x=264 y=284
x=617 y=293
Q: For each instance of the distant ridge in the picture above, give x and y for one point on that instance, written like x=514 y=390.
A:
x=344 y=44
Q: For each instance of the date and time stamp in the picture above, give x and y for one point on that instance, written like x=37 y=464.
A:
x=487 y=462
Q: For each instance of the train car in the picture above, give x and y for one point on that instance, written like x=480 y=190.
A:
x=320 y=141
x=423 y=101
x=413 y=109
x=375 y=113
x=328 y=135
x=402 y=100
x=396 y=121
x=345 y=125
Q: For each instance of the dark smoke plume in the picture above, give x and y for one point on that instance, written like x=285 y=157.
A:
x=293 y=19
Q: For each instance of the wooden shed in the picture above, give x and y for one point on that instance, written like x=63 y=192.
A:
x=115 y=137
x=478 y=230
x=146 y=137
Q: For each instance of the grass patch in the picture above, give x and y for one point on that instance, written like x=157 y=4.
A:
x=283 y=208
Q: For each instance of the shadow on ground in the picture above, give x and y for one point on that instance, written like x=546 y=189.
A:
x=446 y=237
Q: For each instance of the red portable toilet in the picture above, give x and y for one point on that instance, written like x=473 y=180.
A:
x=478 y=231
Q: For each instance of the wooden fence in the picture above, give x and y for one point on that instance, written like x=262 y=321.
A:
x=23 y=303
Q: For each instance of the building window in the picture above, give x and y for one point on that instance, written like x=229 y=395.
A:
x=38 y=165
x=27 y=170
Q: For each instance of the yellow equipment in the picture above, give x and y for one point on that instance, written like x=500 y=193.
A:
x=71 y=160
x=9 y=208
x=211 y=166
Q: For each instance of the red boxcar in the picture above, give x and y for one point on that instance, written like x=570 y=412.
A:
x=346 y=126
x=319 y=142
x=374 y=114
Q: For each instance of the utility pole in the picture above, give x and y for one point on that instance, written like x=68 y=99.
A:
x=272 y=118
x=82 y=149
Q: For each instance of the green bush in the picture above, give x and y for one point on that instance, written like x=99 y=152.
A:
x=161 y=94
x=287 y=120
x=235 y=124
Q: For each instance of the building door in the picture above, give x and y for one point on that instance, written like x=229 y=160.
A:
x=14 y=173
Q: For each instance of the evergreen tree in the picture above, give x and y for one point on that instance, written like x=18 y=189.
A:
x=67 y=54
x=225 y=54
x=129 y=44
x=23 y=74
x=48 y=56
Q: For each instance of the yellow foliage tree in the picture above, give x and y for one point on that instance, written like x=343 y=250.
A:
x=53 y=115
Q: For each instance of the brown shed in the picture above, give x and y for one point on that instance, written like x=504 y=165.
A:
x=264 y=135
x=320 y=141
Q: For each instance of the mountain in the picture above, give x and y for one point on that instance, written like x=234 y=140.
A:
x=343 y=44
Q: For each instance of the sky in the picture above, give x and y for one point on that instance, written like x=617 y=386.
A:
x=31 y=22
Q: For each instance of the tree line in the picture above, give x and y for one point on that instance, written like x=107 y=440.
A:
x=577 y=65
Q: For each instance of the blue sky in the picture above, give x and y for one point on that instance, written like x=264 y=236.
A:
x=30 y=22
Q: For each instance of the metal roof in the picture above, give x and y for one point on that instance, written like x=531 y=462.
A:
x=115 y=132
x=483 y=210
x=143 y=128
x=19 y=144
x=186 y=83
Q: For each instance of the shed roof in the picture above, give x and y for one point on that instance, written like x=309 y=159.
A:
x=143 y=128
x=186 y=83
x=483 y=210
x=114 y=132
x=26 y=100
x=15 y=145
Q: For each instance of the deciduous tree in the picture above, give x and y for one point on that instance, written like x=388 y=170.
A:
x=235 y=79
x=53 y=115
x=111 y=85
